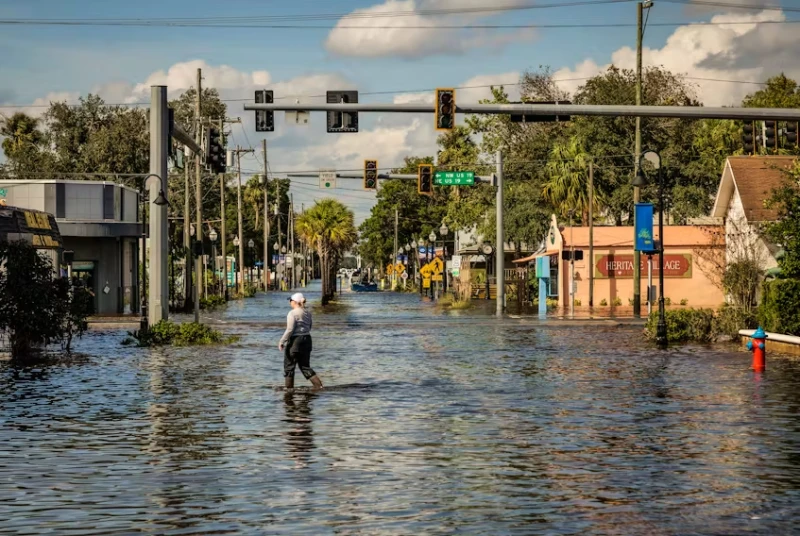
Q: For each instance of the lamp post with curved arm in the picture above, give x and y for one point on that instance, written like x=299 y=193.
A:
x=641 y=180
x=159 y=201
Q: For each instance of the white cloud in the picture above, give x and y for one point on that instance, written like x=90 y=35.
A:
x=706 y=54
x=413 y=34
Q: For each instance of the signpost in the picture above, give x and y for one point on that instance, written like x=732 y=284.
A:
x=327 y=179
x=454 y=178
x=615 y=266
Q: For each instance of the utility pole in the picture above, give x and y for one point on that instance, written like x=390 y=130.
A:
x=590 y=264
x=266 y=218
x=187 y=237
x=198 y=199
x=394 y=272
x=637 y=271
x=239 y=152
x=291 y=243
x=222 y=226
x=280 y=239
x=501 y=250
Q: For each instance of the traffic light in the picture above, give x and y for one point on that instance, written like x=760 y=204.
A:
x=791 y=135
x=215 y=160
x=749 y=137
x=342 y=121
x=425 y=179
x=445 y=109
x=370 y=174
x=770 y=135
x=265 y=119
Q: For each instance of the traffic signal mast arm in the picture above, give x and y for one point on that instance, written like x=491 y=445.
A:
x=689 y=112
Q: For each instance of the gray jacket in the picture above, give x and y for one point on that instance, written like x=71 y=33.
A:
x=298 y=322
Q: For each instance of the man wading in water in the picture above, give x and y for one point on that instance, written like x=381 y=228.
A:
x=296 y=343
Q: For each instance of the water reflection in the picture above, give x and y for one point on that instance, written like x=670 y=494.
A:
x=297 y=426
x=431 y=424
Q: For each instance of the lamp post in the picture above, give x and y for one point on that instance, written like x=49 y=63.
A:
x=160 y=200
x=212 y=235
x=571 y=264
x=251 y=244
x=277 y=249
x=443 y=230
x=239 y=273
x=641 y=180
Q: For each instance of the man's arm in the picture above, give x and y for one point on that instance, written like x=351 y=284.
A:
x=289 y=330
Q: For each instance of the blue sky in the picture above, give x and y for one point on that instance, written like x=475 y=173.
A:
x=63 y=62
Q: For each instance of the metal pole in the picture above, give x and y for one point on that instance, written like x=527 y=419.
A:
x=144 y=321
x=159 y=232
x=198 y=200
x=591 y=235
x=661 y=327
x=637 y=269
x=187 y=239
x=266 y=217
x=280 y=239
x=501 y=283
x=599 y=110
x=571 y=266
x=649 y=284
x=291 y=248
x=394 y=252
x=239 y=219
x=224 y=234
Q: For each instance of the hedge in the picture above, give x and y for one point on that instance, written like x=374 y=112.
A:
x=779 y=311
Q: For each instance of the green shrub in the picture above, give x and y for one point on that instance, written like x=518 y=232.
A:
x=577 y=302
x=729 y=319
x=617 y=302
x=168 y=333
x=780 y=306
x=684 y=325
x=212 y=302
x=551 y=303
x=667 y=301
x=684 y=302
x=603 y=303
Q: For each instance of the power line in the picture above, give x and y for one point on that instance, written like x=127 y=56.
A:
x=251 y=19
x=393 y=91
x=543 y=26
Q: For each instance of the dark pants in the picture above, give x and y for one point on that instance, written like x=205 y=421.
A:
x=298 y=353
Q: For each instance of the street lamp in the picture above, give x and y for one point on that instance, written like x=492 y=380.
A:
x=641 y=180
x=212 y=235
x=160 y=200
x=251 y=244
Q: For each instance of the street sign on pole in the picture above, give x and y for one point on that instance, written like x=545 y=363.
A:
x=454 y=178
x=327 y=179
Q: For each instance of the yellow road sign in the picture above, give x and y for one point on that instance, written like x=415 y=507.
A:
x=426 y=283
x=437 y=265
x=389 y=269
x=400 y=268
x=426 y=270
x=436 y=277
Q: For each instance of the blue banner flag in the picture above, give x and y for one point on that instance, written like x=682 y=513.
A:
x=644 y=228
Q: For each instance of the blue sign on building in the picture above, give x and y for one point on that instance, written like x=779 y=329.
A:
x=422 y=250
x=644 y=228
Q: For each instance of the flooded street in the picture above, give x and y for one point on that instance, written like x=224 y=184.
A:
x=431 y=423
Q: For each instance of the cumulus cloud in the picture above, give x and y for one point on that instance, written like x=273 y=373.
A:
x=744 y=51
x=415 y=34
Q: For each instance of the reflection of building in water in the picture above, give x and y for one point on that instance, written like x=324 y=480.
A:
x=188 y=433
x=297 y=426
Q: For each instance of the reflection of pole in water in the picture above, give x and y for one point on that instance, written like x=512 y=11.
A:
x=298 y=431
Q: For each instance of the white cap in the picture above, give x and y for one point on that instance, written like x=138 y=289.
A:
x=297 y=298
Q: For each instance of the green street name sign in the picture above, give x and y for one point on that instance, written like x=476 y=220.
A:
x=454 y=178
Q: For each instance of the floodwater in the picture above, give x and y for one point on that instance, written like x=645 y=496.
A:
x=432 y=423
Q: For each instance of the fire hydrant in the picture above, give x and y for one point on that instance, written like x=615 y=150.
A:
x=758 y=345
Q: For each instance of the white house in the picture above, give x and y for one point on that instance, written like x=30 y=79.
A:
x=747 y=183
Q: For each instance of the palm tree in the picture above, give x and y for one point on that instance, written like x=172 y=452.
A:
x=567 y=185
x=329 y=228
x=22 y=138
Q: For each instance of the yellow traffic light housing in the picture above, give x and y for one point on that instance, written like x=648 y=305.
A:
x=425 y=179
x=370 y=174
x=445 y=106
